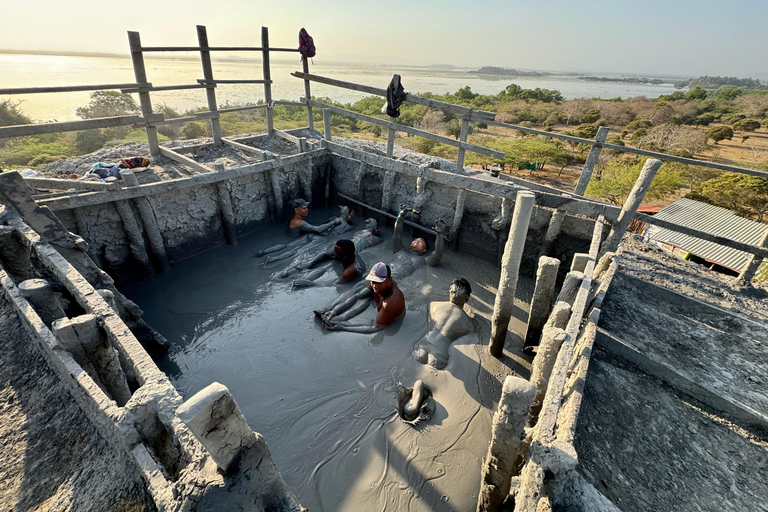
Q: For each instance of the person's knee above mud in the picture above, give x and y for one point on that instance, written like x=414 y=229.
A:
x=447 y=323
x=389 y=300
x=298 y=226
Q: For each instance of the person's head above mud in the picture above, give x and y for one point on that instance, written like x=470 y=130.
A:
x=459 y=292
x=298 y=226
x=372 y=225
x=419 y=245
x=344 y=253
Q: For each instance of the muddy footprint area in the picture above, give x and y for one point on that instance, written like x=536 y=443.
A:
x=326 y=402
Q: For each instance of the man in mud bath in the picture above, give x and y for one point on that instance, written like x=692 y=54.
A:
x=448 y=322
x=389 y=300
x=298 y=226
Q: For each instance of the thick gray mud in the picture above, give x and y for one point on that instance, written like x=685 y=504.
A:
x=326 y=402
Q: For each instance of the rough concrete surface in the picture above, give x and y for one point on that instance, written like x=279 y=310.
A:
x=53 y=458
x=649 y=448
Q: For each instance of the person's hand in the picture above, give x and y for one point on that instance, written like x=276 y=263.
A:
x=439 y=226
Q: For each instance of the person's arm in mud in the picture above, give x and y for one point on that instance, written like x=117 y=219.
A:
x=397 y=235
x=306 y=227
x=434 y=258
x=383 y=319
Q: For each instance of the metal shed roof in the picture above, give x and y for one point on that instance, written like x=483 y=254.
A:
x=712 y=219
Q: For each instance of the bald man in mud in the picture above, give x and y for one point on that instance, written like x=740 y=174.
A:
x=389 y=300
x=447 y=322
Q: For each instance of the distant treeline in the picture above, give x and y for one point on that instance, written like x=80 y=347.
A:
x=629 y=80
x=492 y=70
x=714 y=82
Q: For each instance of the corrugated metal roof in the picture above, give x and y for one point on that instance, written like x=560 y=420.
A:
x=714 y=220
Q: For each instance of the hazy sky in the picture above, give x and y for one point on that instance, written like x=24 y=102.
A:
x=688 y=37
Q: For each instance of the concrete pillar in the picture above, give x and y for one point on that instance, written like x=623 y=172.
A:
x=327 y=123
x=633 y=201
x=359 y=180
x=510 y=266
x=305 y=178
x=135 y=235
x=553 y=230
x=508 y=433
x=386 y=194
x=90 y=347
x=551 y=341
x=559 y=317
x=420 y=200
x=602 y=265
x=570 y=287
x=43 y=300
x=148 y=219
x=579 y=262
x=453 y=234
x=754 y=262
x=541 y=304
x=225 y=204
x=217 y=422
x=591 y=161
x=277 y=193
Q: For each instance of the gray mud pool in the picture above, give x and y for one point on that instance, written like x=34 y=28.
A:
x=326 y=401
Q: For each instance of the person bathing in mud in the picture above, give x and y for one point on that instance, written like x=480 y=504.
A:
x=297 y=227
x=346 y=252
x=403 y=265
x=447 y=322
x=389 y=300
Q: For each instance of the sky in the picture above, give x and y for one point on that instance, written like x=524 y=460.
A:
x=672 y=37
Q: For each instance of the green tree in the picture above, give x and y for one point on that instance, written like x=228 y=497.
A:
x=718 y=133
x=746 y=125
x=697 y=93
x=590 y=116
x=585 y=131
x=728 y=93
x=193 y=130
x=108 y=104
x=11 y=115
x=88 y=141
x=743 y=194
x=617 y=178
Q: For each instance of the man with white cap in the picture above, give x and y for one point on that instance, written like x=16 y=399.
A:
x=389 y=300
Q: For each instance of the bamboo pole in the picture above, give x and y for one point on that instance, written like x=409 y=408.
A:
x=210 y=92
x=140 y=73
x=327 y=123
x=463 y=138
x=754 y=262
x=307 y=93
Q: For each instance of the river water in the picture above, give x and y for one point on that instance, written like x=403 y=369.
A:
x=24 y=70
x=325 y=401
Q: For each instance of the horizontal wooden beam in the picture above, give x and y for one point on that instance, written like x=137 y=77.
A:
x=200 y=116
x=164 y=187
x=184 y=160
x=475 y=115
x=243 y=147
x=287 y=137
x=407 y=129
x=167 y=88
x=217 y=81
x=62 y=184
x=240 y=109
x=70 y=88
x=69 y=126
x=212 y=49
x=533 y=131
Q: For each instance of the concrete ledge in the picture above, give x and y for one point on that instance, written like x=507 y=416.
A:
x=680 y=381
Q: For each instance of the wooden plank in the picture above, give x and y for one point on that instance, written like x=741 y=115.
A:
x=163 y=187
x=533 y=131
x=244 y=147
x=287 y=137
x=407 y=129
x=165 y=88
x=62 y=184
x=214 y=49
x=69 y=126
x=307 y=93
x=210 y=93
x=197 y=117
x=267 y=75
x=240 y=109
x=217 y=81
x=184 y=160
x=475 y=115
x=140 y=74
x=70 y=88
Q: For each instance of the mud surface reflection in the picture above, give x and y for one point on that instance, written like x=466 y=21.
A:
x=326 y=402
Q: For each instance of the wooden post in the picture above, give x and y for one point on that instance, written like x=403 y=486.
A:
x=754 y=262
x=556 y=221
x=327 y=123
x=210 y=92
x=391 y=139
x=148 y=219
x=510 y=266
x=137 y=57
x=267 y=78
x=508 y=432
x=541 y=303
x=589 y=165
x=386 y=194
x=225 y=203
x=463 y=138
x=634 y=199
x=134 y=234
x=307 y=94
